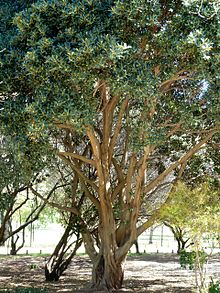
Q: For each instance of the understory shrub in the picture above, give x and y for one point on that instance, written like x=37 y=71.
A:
x=188 y=258
x=214 y=287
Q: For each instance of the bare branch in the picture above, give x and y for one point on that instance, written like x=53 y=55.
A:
x=55 y=205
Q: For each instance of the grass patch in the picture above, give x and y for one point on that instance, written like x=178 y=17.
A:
x=81 y=254
x=137 y=254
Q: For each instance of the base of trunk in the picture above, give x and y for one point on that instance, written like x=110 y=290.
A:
x=51 y=276
x=107 y=276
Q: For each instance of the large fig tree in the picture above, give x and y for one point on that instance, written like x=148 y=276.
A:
x=116 y=83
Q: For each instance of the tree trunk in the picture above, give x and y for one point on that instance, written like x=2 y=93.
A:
x=5 y=227
x=137 y=247
x=151 y=235
x=181 y=244
x=107 y=274
x=13 y=250
x=14 y=247
x=179 y=236
x=59 y=263
x=59 y=260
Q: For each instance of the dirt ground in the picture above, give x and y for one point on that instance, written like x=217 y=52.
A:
x=158 y=273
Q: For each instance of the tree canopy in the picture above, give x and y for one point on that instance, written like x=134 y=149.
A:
x=161 y=56
x=196 y=210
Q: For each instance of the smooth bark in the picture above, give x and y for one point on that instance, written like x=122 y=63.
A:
x=58 y=261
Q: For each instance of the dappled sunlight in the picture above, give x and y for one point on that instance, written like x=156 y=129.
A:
x=157 y=273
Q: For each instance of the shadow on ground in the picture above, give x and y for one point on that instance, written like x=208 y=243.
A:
x=158 y=273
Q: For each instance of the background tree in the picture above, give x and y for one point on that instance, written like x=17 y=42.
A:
x=188 y=206
x=17 y=175
x=203 y=166
x=200 y=224
x=19 y=207
x=114 y=82
x=75 y=214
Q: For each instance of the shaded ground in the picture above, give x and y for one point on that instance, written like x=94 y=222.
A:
x=158 y=273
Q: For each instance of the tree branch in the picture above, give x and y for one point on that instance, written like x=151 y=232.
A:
x=79 y=157
x=117 y=128
x=182 y=160
x=55 y=205
x=79 y=172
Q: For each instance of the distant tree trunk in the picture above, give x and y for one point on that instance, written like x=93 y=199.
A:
x=137 y=247
x=58 y=262
x=151 y=235
x=180 y=244
x=5 y=225
x=179 y=235
x=2 y=234
x=161 y=237
x=183 y=244
x=14 y=248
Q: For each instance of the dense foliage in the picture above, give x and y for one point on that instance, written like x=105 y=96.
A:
x=187 y=259
x=196 y=210
x=62 y=48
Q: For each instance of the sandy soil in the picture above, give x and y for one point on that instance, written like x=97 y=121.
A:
x=160 y=273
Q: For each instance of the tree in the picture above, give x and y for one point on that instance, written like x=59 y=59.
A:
x=180 y=235
x=62 y=256
x=205 y=225
x=19 y=207
x=113 y=82
x=66 y=248
x=179 y=212
x=203 y=166
x=16 y=178
x=195 y=212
